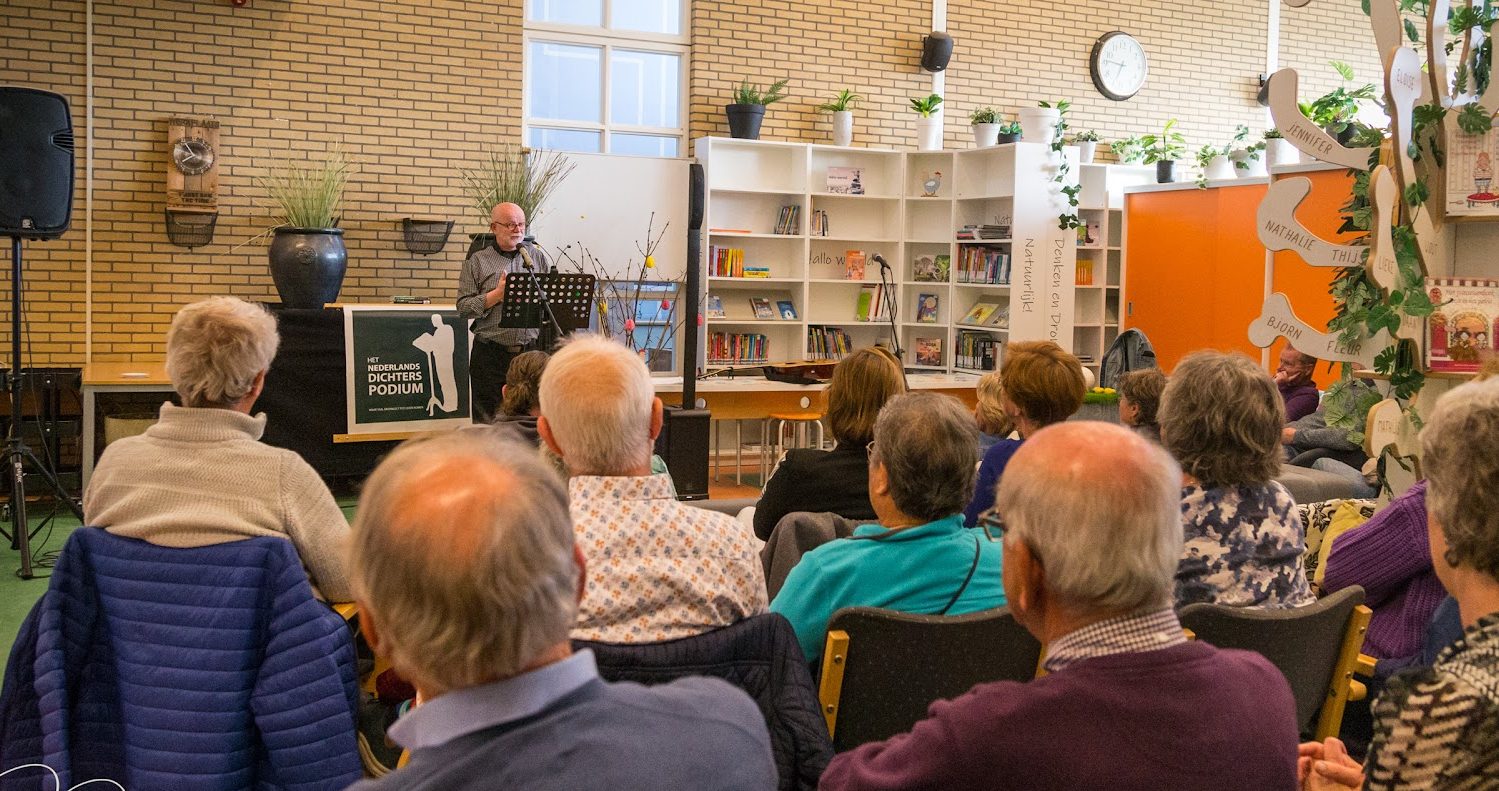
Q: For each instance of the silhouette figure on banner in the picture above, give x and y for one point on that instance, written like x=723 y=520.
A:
x=438 y=344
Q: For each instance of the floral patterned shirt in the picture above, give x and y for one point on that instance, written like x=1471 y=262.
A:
x=658 y=569
x=1243 y=547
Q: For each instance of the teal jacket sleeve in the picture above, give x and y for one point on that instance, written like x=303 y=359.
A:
x=807 y=604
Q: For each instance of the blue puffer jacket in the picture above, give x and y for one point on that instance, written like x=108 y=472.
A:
x=206 y=668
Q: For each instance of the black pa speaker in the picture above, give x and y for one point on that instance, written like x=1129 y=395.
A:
x=36 y=163
x=936 y=51
x=683 y=443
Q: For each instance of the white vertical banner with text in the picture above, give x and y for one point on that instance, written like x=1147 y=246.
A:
x=1044 y=255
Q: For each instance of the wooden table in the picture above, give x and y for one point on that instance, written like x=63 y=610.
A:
x=134 y=377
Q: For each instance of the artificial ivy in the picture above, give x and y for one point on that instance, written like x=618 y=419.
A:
x=1068 y=219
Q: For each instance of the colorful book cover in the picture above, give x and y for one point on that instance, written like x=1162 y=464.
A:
x=853 y=264
x=846 y=181
x=944 y=266
x=762 y=308
x=929 y=351
x=926 y=308
x=714 y=308
x=865 y=304
x=788 y=310
x=979 y=313
x=1000 y=319
x=924 y=269
x=1460 y=334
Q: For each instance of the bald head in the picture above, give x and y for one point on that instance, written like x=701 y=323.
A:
x=507 y=222
x=1100 y=508
x=598 y=407
x=463 y=552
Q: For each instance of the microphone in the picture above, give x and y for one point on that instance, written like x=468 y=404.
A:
x=526 y=257
x=879 y=259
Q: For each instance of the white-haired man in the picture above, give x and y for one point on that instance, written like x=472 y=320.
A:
x=660 y=570
x=1092 y=534
x=201 y=475
x=468 y=578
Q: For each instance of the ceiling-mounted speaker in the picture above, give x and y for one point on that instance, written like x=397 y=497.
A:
x=936 y=51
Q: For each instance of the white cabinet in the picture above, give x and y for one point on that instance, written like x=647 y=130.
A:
x=1100 y=257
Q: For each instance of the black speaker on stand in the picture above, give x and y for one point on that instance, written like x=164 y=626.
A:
x=36 y=202
x=684 y=435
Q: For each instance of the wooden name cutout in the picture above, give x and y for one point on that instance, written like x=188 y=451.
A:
x=1387 y=425
x=1383 y=269
x=1277 y=320
x=1300 y=130
x=1280 y=230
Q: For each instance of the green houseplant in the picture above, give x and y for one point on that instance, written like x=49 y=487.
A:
x=985 y=122
x=928 y=122
x=1279 y=150
x=1163 y=150
x=1009 y=132
x=1128 y=150
x=841 y=108
x=1335 y=110
x=307 y=255
x=1087 y=145
x=509 y=173
x=747 y=110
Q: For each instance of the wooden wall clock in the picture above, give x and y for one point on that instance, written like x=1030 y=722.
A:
x=1118 y=65
x=192 y=163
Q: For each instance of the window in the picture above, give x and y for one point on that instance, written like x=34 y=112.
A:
x=606 y=76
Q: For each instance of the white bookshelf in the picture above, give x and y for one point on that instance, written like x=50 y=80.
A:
x=748 y=182
x=1100 y=257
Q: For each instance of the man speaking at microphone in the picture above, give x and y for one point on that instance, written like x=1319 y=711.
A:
x=481 y=288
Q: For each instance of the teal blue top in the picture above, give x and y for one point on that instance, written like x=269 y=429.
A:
x=916 y=570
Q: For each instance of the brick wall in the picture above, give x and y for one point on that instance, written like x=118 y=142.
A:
x=1324 y=31
x=414 y=90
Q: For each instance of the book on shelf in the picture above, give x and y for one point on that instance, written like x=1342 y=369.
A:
x=871 y=304
x=828 y=342
x=759 y=272
x=1090 y=234
x=726 y=261
x=819 y=223
x=853 y=264
x=929 y=351
x=979 y=313
x=845 y=181
x=762 y=308
x=734 y=348
x=931 y=268
x=976 y=351
x=1084 y=272
x=788 y=221
x=926 y=308
x=1460 y=333
x=713 y=309
x=984 y=233
x=787 y=309
x=983 y=265
x=1000 y=320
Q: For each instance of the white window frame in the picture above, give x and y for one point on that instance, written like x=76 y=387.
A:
x=608 y=40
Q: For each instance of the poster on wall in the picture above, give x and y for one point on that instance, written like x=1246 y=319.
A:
x=1471 y=191
x=1460 y=334
x=407 y=368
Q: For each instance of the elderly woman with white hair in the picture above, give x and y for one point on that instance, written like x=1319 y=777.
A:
x=201 y=475
x=1438 y=727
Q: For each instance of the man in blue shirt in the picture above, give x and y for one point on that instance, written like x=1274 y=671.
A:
x=468 y=579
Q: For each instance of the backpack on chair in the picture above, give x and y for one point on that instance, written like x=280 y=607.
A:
x=1131 y=351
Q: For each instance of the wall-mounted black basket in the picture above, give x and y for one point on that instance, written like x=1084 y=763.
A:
x=190 y=228
x=425 y=237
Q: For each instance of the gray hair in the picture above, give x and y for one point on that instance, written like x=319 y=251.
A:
x=1458 y=459
x=926 y=442
x=216 y=348
x=596 y=396
x=463 y=549
x=1221 y=417
x=1100 y=509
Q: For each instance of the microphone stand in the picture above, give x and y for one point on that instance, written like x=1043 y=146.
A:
x=541 y=293
x=887 y=283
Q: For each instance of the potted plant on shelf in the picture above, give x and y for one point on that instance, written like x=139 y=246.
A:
x=928 y=123
x=1009 y=132
x=748 y=109
x=843 y=115
x=1279 y=150
x=1336 y=110
x=1087 y=145
x=1163 y=150
x=1038 y=124
x=1248 y=158
x=307 y=255
x=1128 y=150
x=985 y=122
x=511 y=174
x=1213 y=165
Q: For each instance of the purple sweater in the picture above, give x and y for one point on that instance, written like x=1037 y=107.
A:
x=1390 y=557
x=1301 y=399
x=1188 y=716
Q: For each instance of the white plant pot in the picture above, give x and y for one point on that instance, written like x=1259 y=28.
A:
x=985 y=135
x=1247 y=165
x=1219 y=168
x=1039 y=124
x=1280 y=151
x=929 y=133
x=1085 y=151
x=843 y=127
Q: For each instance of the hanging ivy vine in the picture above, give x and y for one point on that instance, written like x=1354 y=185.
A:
x=1068 y=219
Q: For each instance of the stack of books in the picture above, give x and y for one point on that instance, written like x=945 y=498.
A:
x=986 y=265
x=984 y=233
x=828 y=343
x=787 y=223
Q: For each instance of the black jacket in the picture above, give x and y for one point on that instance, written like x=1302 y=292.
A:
x=835 y=481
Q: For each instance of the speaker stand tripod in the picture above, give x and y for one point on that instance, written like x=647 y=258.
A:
x=16 y=454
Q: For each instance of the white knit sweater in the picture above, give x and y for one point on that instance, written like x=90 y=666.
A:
x=202 y=476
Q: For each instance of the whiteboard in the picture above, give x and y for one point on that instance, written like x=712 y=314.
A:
x=605 y=204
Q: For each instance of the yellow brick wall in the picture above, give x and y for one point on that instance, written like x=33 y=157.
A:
x=415 y=89
x=1328 y=30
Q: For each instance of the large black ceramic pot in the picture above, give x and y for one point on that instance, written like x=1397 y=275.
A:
x=308 y=265
x=744 y=120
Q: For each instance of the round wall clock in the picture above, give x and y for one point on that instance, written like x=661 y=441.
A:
x=192 y=155
x=1118 y=65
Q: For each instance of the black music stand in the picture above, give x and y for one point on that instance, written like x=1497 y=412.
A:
x=559 y=303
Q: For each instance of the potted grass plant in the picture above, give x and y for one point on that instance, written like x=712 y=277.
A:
x=747 y=111
x=985 y=121
x=928 y=123
x=510 y=173
x=841 y=108
x=307 y=254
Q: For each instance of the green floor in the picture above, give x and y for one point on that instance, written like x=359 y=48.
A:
x=17 y=595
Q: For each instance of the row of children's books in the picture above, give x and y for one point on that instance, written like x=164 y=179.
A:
x=983 y=265
x=828 y=342
x=977 y=351
x=788 y=222
x=987 y=314
x=737 y=348
x=872 y=304
x=729 y=262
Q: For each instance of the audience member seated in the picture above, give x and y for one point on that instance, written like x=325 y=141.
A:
x=1438 y=727
x=837 y=480
x=468 y=577
x=1293 y=378
x=1092 y=533
x=660 y=569
x=918 y=559
x=989 y=411
x=519 y=406
x=1221 y=418
x=1139 y=399
x=1329 y=430
x=1042 y=384
x=201 y=475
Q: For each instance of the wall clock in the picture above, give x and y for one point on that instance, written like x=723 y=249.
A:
x=192 y=163
x=1118 y=65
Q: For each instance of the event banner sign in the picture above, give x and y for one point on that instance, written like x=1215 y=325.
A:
x=407 y=368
